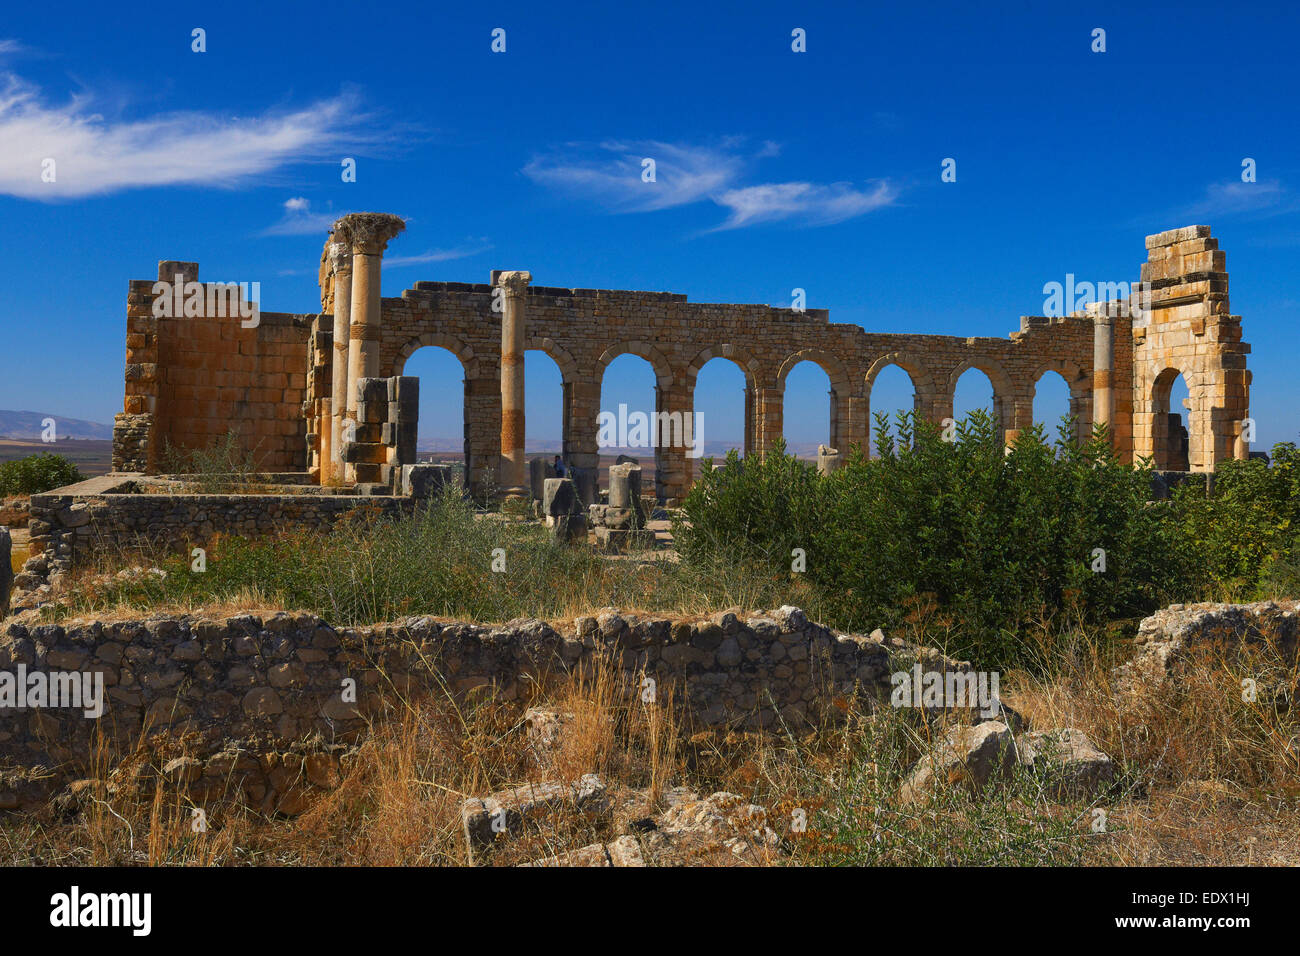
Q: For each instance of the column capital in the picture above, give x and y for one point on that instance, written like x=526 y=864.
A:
x=515 y=283
x=368 y=232
x=340 y=254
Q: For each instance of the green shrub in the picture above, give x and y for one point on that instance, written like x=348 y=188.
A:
x=36 y=474
x=1247 y=525
x=997 y=540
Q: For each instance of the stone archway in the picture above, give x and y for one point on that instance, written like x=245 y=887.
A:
x=925 y=394
x=847 y=407
x=1173 y=447
x=748 y=366
x=568 y=367
x=1004 y=400
x=1079 y=384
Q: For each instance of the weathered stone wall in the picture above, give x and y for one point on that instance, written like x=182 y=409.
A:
x=584 y=330
x=1189 y=332
x=111 y=514
x=245 y=687
x=192 y=380
x=174 y=372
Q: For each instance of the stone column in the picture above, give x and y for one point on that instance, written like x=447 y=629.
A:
x=368 y=234
x=1021 y=405
x=514 y=469
x=1103 y=364
x=770 y=422
x=341 y=262
x=673 y=469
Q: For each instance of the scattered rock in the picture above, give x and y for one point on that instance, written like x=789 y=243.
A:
x=1167 y=638
x=1070 y=764
x=625 y=851
x=971 y=756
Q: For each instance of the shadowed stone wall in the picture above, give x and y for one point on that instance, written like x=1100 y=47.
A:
x=263 y=698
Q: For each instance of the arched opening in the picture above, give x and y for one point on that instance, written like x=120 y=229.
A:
x=629 y=401
x=441 y=433
x=545 y=406
x=974 y=390
x=808 y=410
x=1170 y=431
x=720 y=402
x=892 y=393
x=1052 y=403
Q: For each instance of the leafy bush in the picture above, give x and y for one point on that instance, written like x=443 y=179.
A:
x=996 y=539
x=36 y=474
x=1247 y=526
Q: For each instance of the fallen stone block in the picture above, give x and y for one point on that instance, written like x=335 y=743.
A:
x=1168 y=639
x=559 y=498
x=1069 y=763
x=625 y=851
x=968 y=756
x=544 y=729
x=425 y=481
x=721 y=828
x=504 y=815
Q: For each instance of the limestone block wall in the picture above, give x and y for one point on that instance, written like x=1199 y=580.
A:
x=278 y=684
x=191 y=380
x=1189 y=330
x=584 y=330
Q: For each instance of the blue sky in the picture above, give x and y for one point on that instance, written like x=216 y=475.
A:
x=776 y=170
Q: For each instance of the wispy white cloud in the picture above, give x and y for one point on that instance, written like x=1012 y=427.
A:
x=11 y=47
x=683 y=174
x=1237 y=198
x=94 y=155
x=299 y=220
x=808 y=203
x=610 y=175
x=438 y=255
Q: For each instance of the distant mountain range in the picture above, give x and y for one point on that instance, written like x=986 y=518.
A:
x=29 y=426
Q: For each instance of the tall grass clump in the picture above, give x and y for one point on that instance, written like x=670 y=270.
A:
x=445 y=560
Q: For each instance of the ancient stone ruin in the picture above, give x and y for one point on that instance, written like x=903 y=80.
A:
x=319 y=398
x=300 y=387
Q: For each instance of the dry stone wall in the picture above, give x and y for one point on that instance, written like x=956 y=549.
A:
x=81 y=521
x=240 y=689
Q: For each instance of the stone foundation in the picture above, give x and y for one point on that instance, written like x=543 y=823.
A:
x=244 y=691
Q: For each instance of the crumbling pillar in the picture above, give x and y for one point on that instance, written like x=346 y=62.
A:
x=368 y=234
x=514 y=469
x=341 y=263
x=1103 y=364
x=828 y=460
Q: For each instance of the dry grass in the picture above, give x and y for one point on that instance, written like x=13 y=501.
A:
x=1203 y=778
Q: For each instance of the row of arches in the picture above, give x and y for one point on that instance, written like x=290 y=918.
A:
x=721 y=393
